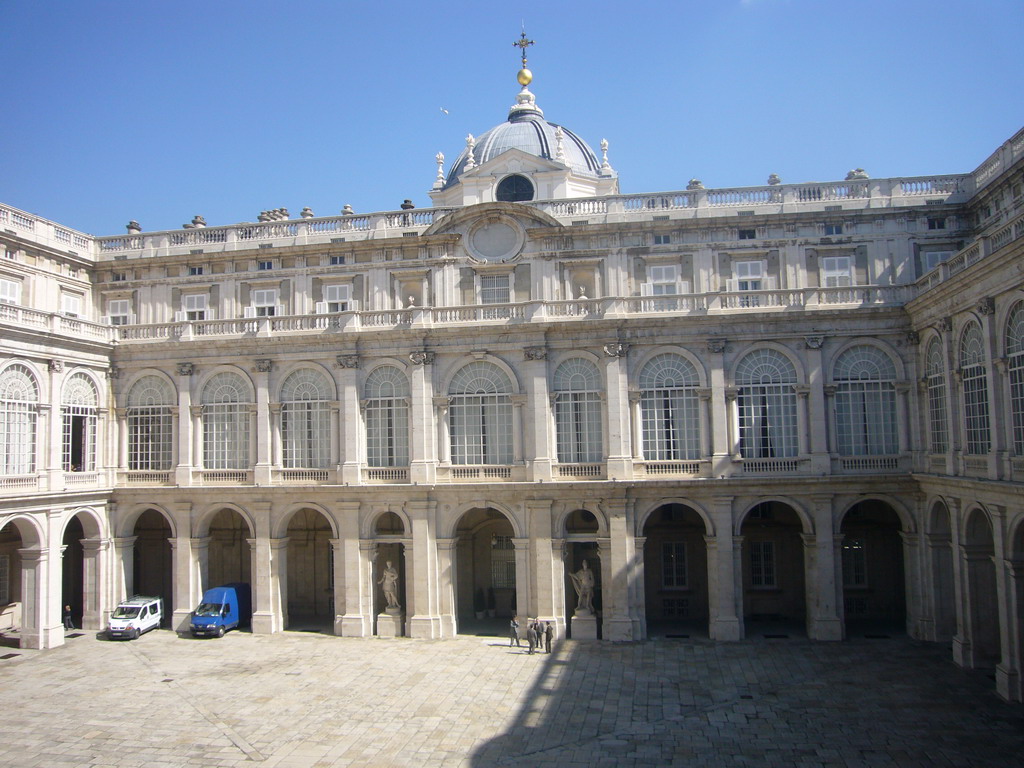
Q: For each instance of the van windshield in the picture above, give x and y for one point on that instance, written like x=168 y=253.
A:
x=125 y=612
x=208 y=609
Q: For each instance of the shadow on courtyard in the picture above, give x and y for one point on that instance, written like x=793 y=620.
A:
x=760 y=701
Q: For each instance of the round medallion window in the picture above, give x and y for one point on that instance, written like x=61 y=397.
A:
x=495 y=240
x=515 y=189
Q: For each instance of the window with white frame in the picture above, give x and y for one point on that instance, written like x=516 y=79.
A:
x=263 y=303
x=227 y=404
x=480 y=415
x=79 y=411
x=935 y=380
x=10 y=291
x=975 y=390
x=495 y=289
x=119 y=312
x=762 y=565
x=503 y=562
x=149 y=420
x=662 y=280
x=673 y=565
x=306 y=420
x=837 y=271
x=855 y=563
x=194 y=306
x=1015 y=373
x=931 y=259
x=767 y=405
x=865 y=402
x=386 y=393
x=19 y=407
x=336 y=299
x=749 y=276
x=578 y=432
x=669 y=409
x=71 y=303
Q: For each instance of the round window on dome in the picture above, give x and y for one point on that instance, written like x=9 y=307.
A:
x=515 y=189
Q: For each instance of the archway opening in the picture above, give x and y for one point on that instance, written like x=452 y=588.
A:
x=485 y=583
x=774 y=582
x=940 y=551
x=675 y=573
x=389 y=576
x=152 y=564
x=982 y=594
x=229 y=557
x=73 y=571
x=581 y=530
x=310 y=594
x=874 y=588
x=11 y=580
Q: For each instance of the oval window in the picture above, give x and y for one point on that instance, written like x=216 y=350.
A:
x=515 y=189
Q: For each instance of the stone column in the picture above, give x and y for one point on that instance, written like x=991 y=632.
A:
x=121 y=420
x=961 y=638
x=618 y=440
x=912 y=583
x=425 y=620
x=542 y=591
x=124 y=569
x=338 y=584
x=188 y=565
x=356 y=566
x=444 y=447
x=1009 y=683
x=725 y=579
x=997 y=426
x=1008 y=668
x=279 y=582
x=447 y=558
x=526 y=596
x=722 y=445
x=261 y=378
x=266 y=596
x=558 y=596
x=351 y=418
x=638 y=595
x=36 y=631
x=276 y=449
x=94 y=583
x=55 y=442
x=539 y=433
x=817 y=423
x=422 y=431
x=51 y=625
x=618 y=621
x=518 y=405
x=184 y=435
x=824 y=576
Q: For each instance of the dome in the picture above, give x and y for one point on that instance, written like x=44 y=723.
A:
x=528 y=131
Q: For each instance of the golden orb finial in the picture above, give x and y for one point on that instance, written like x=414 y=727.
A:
x=525 y=77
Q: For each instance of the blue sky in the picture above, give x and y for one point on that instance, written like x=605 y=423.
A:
x=158 y=111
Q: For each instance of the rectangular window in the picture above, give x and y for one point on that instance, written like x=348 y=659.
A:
x=193 y=271
x=673 y=565
x=264 y=302
x=663 y=279
x=337 y=297
x=264 y=265
x=337 y=260
x=833 y=229
x=10 y=254
x=495 y=289
x=662 y=239
x=747 y=234
x=10 y=291
x=194 y=305
x=71 y=304
x=119 y=311
x=120 y=277
x=837 y=271
x=150 y=438
x=855 y=563
x=931 y=259
x=762 y=564
x=938 y=222
x=503 y=563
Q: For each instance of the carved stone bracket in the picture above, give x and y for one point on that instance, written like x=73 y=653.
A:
x=703 y=393
x=913 y=338
x=802 y=391
x=56 y=366
x=263 y=365
x=634 y=395
x=987 y=306
x=186 y=369
x=519 y=400
x=616 y=349
x=814 y=342
x=442 y=401
x=716 y=346
x=731 y=393
x=946 y=324
x=535 y=353
x=195 y=410
x=348 y=361
x=113 y=372
x=421 y=357
x=830 y=390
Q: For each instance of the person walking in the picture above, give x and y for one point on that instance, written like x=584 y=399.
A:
x=513 y=632
x=531 y=637
x=549 y=634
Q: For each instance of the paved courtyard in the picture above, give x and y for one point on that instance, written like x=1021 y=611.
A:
x=304 y=699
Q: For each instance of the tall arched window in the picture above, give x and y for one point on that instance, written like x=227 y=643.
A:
x=386 y=393
x=670 y=409
x=19 y=404
x=767 y=405
x=975 y=386
x=865 y=403
x=480 y=415
x=1015 y=371
x=227 y=402
x=935 y=380
x=306 y=420
x=79 y=404
x=150 y=436
x=578 y=433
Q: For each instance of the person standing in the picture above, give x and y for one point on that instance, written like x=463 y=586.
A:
x=549 y=634
x=531 y=637
x=513 y=632
x=69 y=623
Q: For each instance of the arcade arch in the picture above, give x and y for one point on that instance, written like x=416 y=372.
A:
x=873 y=582
x=676 y=571
x=485 y=580
x=774 y=570
x=310 y=570
x=981 y=614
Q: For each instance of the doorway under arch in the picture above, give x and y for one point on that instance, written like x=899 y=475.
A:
x=874 y=586
x=310 y=589
x=229 y=556
x=72 y=591
x=940 y=551
x=152 y=562
x=485 y=580
x=774 y=580
x=388 y=532
x=980 y=590
x=675 y=572
x=12 y=609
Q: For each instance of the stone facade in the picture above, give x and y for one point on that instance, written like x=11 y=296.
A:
x=793 y=408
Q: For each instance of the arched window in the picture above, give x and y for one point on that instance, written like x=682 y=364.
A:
x=669 y=409
x=767 y=405
x=577 y=387
x=480 y=415
x=226 y=401
x=865 y=403
x=150 y=434
x=975 y=389
x=79 y=403
x=935 y=380
x=1015 y=370
x=19 y=405
x=386 y=393
x=306 y=420
x=514 y=189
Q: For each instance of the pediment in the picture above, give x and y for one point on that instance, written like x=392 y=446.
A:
x=514 y=161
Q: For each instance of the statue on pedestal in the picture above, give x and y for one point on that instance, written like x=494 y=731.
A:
x=583 y=582
x=389 y=583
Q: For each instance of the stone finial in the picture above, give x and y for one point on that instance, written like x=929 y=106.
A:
x=198 y=221
x=347 y=210
x=284 y=214
x=470 y=148
x=439 y=180
x=605 y=167
x=133 y=227
x=407 y=205
x=774 y=180
x=857 y=174
x=695 y=184
x=307 y=213
x=264 y=216
x=410 y=301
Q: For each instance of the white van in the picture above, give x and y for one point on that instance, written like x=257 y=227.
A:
x=136 y=615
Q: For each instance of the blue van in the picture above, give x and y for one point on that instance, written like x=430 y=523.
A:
x=222 y=608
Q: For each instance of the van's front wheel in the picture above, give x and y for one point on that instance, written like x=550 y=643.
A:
x=220 y=631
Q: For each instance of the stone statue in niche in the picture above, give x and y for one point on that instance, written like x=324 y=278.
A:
x=583 y=583
x=389 y=583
